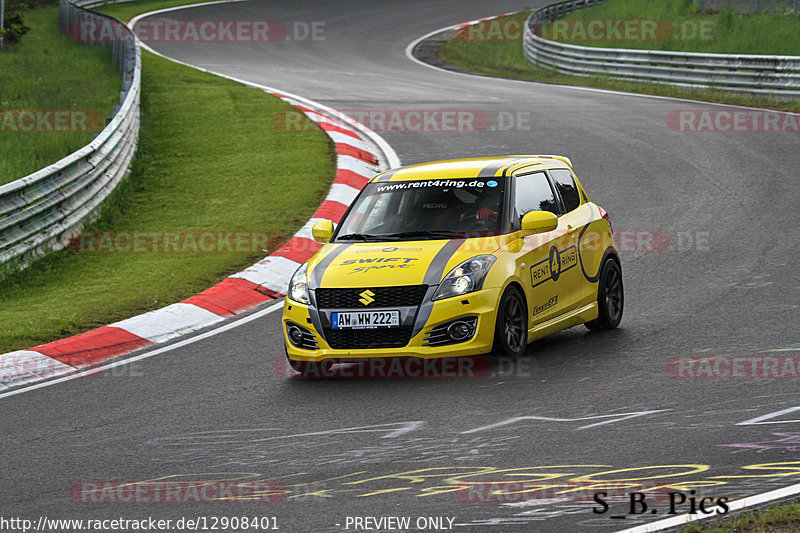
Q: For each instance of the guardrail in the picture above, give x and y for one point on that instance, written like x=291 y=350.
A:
x=752 y=6
x=756 y=74
x=41 y=211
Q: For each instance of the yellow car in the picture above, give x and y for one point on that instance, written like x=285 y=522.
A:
x=455 y=258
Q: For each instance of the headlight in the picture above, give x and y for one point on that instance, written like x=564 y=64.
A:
x=466 y=277
x=298 y=287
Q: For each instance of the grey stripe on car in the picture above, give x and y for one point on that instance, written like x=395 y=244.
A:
x=433 y=276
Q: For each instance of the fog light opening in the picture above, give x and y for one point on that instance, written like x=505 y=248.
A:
x=460 y=330
x=295 y=335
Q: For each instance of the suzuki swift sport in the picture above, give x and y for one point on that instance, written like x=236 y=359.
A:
x=455 y=258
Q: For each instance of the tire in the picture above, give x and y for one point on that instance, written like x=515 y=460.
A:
x=511 y=328
x=610 y=298
x=310 y=369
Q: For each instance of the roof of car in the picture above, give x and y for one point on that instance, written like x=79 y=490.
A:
x=476 y=167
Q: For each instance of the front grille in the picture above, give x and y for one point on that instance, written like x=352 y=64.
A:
x=347 y=339
x=402 y=296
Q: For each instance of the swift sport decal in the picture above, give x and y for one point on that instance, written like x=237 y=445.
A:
x=552 y=267
x=373 y=263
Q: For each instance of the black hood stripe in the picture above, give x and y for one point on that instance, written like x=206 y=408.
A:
x=433 y=277
x=435 y=270
x=315 y=279
x=386 y=176
x=490 y=170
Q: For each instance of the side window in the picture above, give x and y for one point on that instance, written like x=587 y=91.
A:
x=533 y=193
x=566 y=188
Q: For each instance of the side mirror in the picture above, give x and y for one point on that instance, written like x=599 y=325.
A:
x=322 y=231
x=539 y=221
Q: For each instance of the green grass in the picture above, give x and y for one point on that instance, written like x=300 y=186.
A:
x=47 y=71
x=775 y=519
x=127 y=10
x=209 y=158
x=504 y=58
x=680 y=27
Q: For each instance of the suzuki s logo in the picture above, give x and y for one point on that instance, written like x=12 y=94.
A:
x=367 y=297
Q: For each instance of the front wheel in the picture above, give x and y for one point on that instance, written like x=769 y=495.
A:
x=610 y=298
x=511 y=329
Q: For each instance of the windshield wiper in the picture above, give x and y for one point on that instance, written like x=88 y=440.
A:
x=422 y=233
x=359 y=237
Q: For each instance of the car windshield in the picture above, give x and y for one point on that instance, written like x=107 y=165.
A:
x=425 y=209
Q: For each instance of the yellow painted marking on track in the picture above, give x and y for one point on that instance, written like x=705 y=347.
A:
x=382 y=491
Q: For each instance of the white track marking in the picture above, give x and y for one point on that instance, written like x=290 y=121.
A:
x=305 y=231
x=617 y=417
x=339 y=137
x=22 y=366
x=342 y=193
x=348 y=162
x=168 y=322
x=272 y=272
x=277 y=306
x=737 y=505
x=761 y=419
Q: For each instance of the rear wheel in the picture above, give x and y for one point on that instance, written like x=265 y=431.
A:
x=610 y=298
x=511 y=329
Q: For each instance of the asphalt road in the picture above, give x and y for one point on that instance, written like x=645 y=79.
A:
x=579 y=407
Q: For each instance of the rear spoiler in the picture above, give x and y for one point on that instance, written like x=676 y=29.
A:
x=559 y=157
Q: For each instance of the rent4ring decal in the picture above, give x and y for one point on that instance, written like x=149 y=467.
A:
x=552 y=267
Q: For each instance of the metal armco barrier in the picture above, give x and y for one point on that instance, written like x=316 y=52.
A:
x=756 y=74
x=41 y=211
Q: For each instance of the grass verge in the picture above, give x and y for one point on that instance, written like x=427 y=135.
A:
x=127 y=10
x=209 y=159
x=678 y=25
x=782 y=518
x=504 y=58
x=47 y=71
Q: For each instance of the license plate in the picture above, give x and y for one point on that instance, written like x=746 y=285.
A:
x=365 y=319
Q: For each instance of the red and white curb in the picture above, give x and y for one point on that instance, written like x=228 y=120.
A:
x=361 y=154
